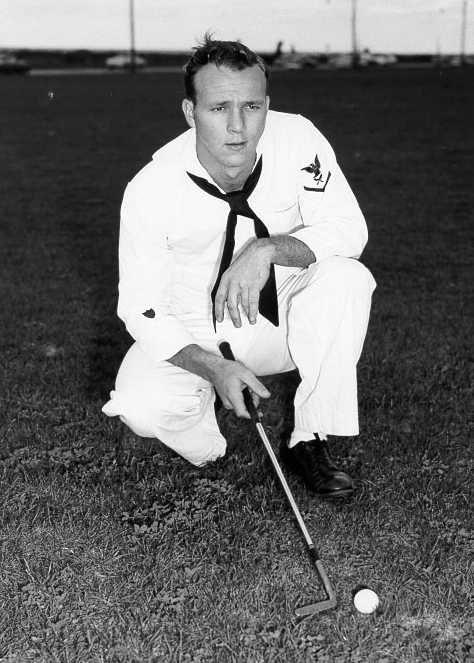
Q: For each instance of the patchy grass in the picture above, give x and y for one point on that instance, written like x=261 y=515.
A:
x=112 y=549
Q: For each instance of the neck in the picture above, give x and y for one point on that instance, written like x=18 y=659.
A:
x=230 y=178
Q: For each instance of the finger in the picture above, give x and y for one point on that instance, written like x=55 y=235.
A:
x=238 y=404
x=244 y=299
x=257 y=387
x=220 y=300
x=224 y=399
x=254 y=296
x=233 y=307
x=255 y=399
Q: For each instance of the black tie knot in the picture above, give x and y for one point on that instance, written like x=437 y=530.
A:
x=238 y=203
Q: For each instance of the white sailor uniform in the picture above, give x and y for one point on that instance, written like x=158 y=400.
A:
x=171 y=238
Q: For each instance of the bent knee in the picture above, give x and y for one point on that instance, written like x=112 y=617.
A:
x=131 y=413
x=345 y=273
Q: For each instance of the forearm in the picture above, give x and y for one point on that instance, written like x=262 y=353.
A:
x=286 y=250
x=194 y=359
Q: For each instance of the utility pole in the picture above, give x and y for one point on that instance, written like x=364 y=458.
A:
x=355 y=50
x=132 y=38
x=463 y=33
x=439 y=45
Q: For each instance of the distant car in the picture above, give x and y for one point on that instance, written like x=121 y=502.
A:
x=11 y=64
x=295 y=61
x=368 y=59
x=124 y=61
x=448 y=60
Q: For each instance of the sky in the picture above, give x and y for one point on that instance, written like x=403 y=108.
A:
x=402 y=26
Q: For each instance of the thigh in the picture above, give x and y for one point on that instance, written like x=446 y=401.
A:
x=263 y=347
x=159 y=392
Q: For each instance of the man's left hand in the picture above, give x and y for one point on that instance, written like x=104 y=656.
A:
x=242 y=282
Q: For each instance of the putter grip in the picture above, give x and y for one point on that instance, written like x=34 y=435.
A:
x=226 y=352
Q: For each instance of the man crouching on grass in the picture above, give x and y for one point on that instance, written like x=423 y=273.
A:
x=244 y=229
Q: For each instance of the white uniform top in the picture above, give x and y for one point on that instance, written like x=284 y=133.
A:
x=172 y=232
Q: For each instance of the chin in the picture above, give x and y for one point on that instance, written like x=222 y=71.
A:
x=239 y=159
x=235 y=161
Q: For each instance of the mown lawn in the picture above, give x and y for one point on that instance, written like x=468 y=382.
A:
x=111 y=548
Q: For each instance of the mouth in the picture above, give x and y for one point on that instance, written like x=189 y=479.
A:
x=236 y=147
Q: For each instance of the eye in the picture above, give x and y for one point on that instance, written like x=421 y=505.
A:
x=217 y=108
x=253 y=106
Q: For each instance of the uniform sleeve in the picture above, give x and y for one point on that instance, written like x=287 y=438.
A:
x=333 y=224
x=146 y=269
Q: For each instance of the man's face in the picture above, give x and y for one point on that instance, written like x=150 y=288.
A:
x=229 y=115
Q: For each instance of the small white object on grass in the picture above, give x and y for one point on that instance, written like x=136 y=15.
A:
x=366 y=601
x=50 y=350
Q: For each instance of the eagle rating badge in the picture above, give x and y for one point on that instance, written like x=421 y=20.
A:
x=319 y=181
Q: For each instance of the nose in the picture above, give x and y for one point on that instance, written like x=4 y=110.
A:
x=235 y=121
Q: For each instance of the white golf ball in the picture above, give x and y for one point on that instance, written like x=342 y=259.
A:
x=366 y=601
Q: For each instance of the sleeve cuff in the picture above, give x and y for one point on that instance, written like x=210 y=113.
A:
x=160 y=339
x=326 y=240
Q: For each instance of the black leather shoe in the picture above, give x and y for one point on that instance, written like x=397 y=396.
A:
x=311 y=460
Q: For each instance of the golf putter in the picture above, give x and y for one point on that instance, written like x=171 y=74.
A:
x=330 y=601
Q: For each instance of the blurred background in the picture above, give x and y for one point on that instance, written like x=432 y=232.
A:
x=145 y=34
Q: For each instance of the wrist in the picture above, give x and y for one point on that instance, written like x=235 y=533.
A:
x=195 y=359
x=211 y=367
x=266 y=248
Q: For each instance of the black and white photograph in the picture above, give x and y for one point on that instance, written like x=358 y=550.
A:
x=236 y=377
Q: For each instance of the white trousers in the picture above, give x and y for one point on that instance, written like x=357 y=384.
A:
x=324 y=312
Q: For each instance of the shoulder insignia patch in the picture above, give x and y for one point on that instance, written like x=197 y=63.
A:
x=319 y=179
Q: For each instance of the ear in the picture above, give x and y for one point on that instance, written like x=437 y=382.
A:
x=188 y=110
x=267 y=102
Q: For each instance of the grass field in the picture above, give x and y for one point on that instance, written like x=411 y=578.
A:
x=111 y=548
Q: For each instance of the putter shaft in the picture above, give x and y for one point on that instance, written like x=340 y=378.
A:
x=286 y=488
x=331 y=600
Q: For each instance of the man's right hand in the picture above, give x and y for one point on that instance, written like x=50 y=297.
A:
x=230 y=378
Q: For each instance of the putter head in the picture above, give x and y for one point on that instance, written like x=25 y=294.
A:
x=330 y=601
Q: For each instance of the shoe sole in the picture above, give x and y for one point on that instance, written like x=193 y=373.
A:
x=338 y=495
